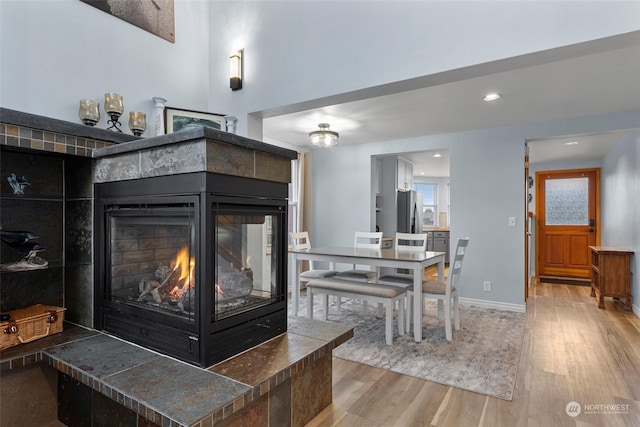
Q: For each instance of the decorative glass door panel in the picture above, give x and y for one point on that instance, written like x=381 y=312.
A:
x=567 y=201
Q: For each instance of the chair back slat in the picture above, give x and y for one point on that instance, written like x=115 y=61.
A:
x=455 y=266
x=368 y=239
x=300 y=241
x=411 y=242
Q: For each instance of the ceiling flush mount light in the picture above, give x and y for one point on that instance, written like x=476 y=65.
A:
x=323 y=137
x=437 y=155
x=491 y=97
x=572 y=143
x=235 y=70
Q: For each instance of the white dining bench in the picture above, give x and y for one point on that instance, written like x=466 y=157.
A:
x=380 y=293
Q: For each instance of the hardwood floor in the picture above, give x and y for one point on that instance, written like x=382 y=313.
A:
x=572 y=352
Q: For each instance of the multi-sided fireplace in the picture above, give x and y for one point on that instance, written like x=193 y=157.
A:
x=191 y=265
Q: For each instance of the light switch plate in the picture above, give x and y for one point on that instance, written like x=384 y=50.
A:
x=512 y=221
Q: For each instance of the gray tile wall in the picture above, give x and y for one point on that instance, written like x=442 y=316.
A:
x=57 y=205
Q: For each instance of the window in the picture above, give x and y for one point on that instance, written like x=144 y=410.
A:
x=292 y=210
x=567 y=201
x=429 y=202
x=448 y=206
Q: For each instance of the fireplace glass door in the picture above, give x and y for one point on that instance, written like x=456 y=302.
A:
x=246 y=261
x=152 y=259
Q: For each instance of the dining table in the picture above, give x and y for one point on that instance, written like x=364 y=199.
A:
x=415 y=261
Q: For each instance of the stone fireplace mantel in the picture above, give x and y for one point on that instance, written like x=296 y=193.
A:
x=193 y=150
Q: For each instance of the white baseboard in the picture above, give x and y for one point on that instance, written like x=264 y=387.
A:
x=521 y=308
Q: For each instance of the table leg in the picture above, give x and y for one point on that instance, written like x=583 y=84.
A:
x=417 y=302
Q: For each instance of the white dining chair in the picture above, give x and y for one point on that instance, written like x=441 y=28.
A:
x=300 y=241
x=445 y=292
x=363 y=239
x=405 y=242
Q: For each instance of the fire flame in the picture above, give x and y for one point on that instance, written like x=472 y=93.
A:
x=186 y=267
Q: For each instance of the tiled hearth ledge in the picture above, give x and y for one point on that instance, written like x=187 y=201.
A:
x=168 y=392
x=122 y=156
x=30 y=131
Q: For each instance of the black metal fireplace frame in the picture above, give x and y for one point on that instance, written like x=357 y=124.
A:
x=206 y=341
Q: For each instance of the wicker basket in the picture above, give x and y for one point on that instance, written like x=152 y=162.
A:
x=31 y=323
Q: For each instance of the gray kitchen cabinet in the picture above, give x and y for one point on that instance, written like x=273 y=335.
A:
x=438 y=241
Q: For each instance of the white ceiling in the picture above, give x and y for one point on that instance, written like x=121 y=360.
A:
x=424 y=164
x=589 y=79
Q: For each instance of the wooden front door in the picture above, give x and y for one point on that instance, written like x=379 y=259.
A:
x=568 y=212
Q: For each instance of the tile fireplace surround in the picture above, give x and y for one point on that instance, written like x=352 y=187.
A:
x=284 y=381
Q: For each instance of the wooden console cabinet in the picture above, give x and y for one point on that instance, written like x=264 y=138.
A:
x=611 y=274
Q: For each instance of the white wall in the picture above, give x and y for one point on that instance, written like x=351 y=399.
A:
x=300 y=53
x=54 y=53
x=621 y=203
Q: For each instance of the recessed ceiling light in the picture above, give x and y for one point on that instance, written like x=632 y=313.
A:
x=437 y=155
x=421 y=173
x=491 y=96
x=572 y=143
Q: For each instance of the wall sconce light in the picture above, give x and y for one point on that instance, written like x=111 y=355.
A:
x=235 y=71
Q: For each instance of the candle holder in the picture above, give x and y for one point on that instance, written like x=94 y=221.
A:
x=114 y=107
x=137 y=122
x=89 y=112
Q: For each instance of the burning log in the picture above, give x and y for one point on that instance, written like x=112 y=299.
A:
x=146 y=288
x=234 y=284
x=188 y=300
x=174 y=282
x=157 y=291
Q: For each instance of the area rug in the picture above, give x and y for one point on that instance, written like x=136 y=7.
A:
x=482 y=357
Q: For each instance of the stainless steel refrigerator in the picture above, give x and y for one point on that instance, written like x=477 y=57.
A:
x=409 y=212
